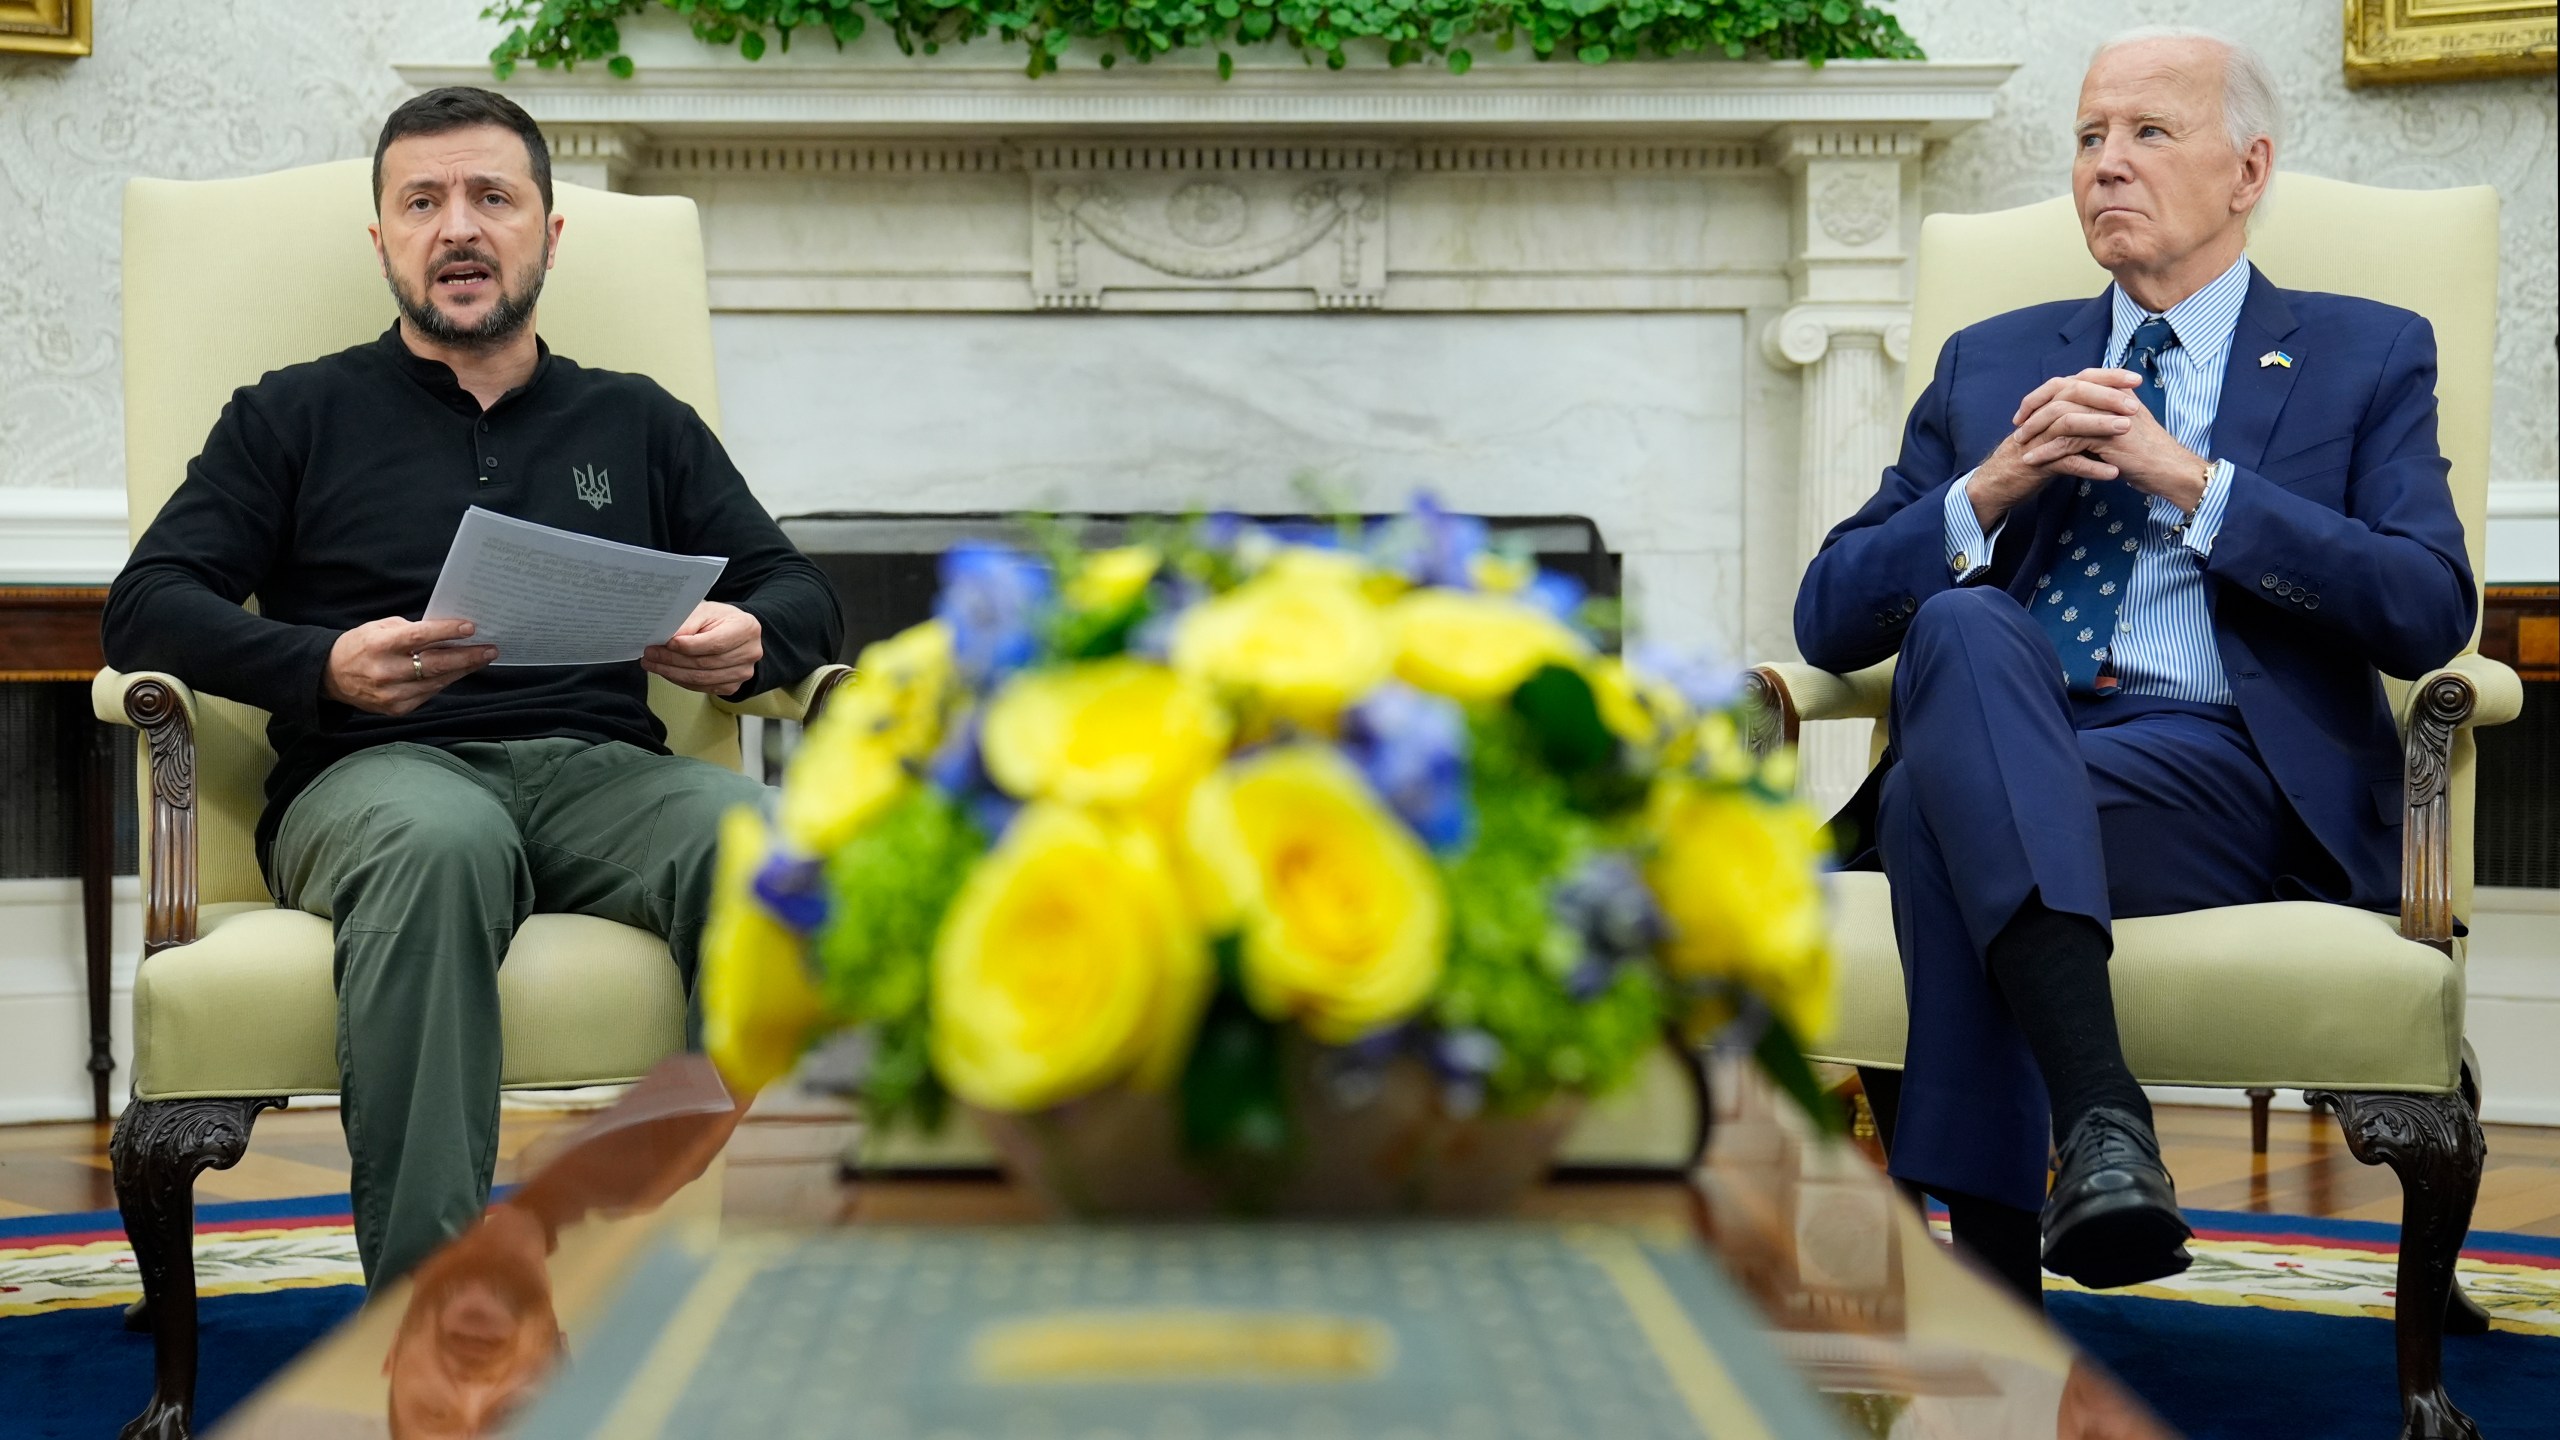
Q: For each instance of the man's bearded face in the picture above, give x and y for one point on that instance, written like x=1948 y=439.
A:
x=463 y=236
x=439 y=302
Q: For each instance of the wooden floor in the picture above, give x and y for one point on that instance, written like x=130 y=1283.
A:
x=2306 y=1171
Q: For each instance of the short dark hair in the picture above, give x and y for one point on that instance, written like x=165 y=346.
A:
x=459 y=107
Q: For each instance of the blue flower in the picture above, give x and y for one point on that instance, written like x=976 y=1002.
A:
x=792 y=887
x=1413 y=749
x=1355 y=1074
x=1605 y=905
x=1558 y=595
x=1307 y=534
x=991 y=598
x=1449 y=545
x=959 y=769
x=1168 y=596
x=1462 y=1059
x=956 y=766
x=1706 y=683
x=1225 y=529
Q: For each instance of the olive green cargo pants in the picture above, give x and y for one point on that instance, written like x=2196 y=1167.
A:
x=425 y=859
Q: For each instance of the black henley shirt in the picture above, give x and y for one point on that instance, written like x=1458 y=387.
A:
x=330 y=491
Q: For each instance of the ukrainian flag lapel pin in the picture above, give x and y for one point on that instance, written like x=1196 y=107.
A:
x=2275 y=357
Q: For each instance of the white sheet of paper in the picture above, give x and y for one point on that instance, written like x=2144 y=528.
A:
x=556 y=597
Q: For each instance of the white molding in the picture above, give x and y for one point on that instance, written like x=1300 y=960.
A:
x=686 y=89
x=61 y=537
x=2524 y=500
x=42 y=951
x=2515 y=900
x=44 y=1008
x=774 y=155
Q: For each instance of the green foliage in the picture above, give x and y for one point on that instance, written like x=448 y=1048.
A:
x=1235 y=1110
x=1509 y=957
x=891 y=884
x=565 y=32
x=1564 y=718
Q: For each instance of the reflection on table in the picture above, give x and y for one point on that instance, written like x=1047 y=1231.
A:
x=1899 y=1338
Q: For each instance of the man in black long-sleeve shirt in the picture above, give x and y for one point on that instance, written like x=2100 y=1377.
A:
x=423 y=801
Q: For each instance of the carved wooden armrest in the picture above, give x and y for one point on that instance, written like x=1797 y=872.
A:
x=1784 y=694
x=164 y=710
x=802 y=701
x=2472 y=691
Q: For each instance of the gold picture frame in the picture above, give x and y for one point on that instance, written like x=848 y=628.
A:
x=44 y=27
x=2392 y=41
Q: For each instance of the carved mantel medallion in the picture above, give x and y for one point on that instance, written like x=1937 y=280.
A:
x=1216 y=228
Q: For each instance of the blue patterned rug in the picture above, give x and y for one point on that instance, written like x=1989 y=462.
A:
x=2281 y=1330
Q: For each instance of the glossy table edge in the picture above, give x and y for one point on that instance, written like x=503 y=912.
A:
x=1853 y=1288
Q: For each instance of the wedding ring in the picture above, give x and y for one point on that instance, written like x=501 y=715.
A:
x=417 y=666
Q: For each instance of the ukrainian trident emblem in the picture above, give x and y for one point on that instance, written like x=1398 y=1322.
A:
x=594 y=486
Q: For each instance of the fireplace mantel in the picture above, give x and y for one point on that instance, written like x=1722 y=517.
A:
x=684 y=90
x=1673 y=296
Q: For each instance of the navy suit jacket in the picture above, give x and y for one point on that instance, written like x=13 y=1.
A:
x=2339 y=557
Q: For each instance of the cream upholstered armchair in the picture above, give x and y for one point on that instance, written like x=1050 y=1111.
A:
x=234 y=1009
x=2364 y=1014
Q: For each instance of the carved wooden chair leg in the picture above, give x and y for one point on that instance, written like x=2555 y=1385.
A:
x=2259 y=1100
x=2434 y=1144
x=159 y=1148
x=2462 y=1314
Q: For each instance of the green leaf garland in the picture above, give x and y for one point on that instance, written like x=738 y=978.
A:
x=564 y=33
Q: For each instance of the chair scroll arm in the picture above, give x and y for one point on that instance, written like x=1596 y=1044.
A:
x=1785 y=694
x=2439 y=706
x=2473 y=690
x=164 y=710
x=801 y=701
x=1774 y=721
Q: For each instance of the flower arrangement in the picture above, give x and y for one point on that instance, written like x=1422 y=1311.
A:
x=1151 y=819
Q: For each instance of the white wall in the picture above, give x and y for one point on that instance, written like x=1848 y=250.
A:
x=196 y=88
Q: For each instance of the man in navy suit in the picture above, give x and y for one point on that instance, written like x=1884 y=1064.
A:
x=2144 y=558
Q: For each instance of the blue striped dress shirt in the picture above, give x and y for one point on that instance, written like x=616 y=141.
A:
x=2164 y=634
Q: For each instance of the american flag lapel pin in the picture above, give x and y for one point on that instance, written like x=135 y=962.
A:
x=2275 y=357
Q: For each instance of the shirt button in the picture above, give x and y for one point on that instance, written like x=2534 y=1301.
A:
x=489 y=462
x=2267 y=581
x=1961 y=563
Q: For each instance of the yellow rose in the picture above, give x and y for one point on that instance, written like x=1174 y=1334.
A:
x=1471 y=647
x=843 y=773
x=1637 y=708
x=1066 y=964
x=1118 y=732
x=1345 y=924
x=853 y=761
x=1721 y=749
x=1302 y=636
x=1740 y=881
x=899 y=689
x=1500 y=574
x=1109 y=579
x=758 y=1006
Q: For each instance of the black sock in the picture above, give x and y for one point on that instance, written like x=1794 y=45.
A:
x=1884 y=1100
x=2004 y=1239
x=2051 y=968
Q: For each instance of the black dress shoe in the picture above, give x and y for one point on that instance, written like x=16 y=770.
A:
x=2112 y=1218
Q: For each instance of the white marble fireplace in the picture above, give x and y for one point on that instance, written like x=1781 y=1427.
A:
x=1672 y=296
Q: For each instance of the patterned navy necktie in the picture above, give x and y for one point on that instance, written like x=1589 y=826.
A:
x=2078 y=600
